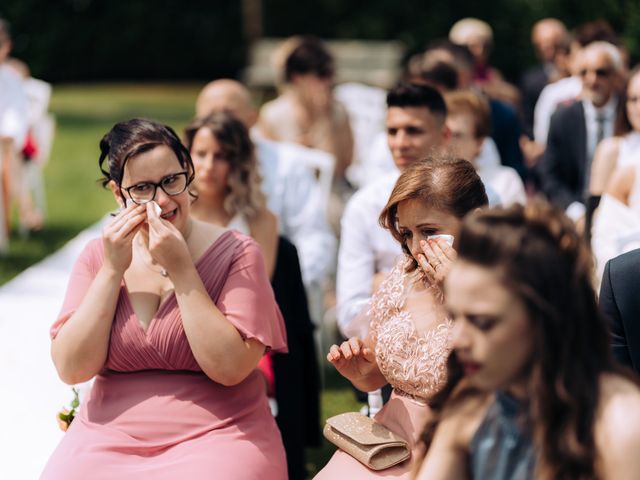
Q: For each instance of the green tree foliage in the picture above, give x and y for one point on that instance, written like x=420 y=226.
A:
x=65 y=40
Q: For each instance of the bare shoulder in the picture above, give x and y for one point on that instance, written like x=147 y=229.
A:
x=618 y=427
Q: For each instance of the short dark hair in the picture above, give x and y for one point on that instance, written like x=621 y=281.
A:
x=406 y=94
x=439 y=74
x=127 y=139
x=310 y=56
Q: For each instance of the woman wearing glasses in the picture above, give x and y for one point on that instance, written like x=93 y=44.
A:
x=171 y=315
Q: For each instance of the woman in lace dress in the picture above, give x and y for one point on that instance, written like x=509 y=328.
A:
x=408 y=341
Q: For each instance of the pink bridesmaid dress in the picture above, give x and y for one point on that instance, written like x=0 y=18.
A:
x=152 y=413
x=412 y=337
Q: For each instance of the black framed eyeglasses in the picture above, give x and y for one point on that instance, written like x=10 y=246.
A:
x=145 y=192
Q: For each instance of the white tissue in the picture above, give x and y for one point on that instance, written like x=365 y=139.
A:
x=156 y=208
x=445 y=237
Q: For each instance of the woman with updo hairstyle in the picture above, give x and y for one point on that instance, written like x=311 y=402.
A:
x=409 y=331
x=533 y=391
x=171 y=315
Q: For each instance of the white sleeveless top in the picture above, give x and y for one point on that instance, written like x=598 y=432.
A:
x=629 y=149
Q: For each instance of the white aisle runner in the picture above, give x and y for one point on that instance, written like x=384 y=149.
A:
x=30 y=392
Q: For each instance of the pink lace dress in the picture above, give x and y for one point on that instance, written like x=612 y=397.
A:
x=411 y=334
x=152 y=413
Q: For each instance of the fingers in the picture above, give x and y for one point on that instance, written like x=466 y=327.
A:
x=347 y=350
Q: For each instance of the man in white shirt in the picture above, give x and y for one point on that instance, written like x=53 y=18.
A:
x=576 y=129
x=415 y=124
x=290 y=187
x=13 y=131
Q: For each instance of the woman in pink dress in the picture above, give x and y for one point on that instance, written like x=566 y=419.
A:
x=171 y=315
x=409 y=336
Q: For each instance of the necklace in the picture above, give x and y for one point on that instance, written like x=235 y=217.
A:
x=150 y=263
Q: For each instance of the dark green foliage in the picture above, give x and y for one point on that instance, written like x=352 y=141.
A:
x=66 y=40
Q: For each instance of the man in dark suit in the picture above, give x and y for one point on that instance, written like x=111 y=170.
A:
x=620 y=302
x=576 y=129
x=547 y=36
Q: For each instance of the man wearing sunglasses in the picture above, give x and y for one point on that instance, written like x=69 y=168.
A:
x=576 y=129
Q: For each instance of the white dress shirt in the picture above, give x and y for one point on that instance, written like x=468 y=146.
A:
x=552 y=95
x=293 y=196
x=503 y=185
x=365 y=249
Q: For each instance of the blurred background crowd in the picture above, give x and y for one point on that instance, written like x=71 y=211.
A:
x=542 y=98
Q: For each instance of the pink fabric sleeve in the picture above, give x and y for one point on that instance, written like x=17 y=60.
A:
x=247 y=299
x=83 y=273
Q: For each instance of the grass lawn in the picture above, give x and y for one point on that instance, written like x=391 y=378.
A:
x=84 y=113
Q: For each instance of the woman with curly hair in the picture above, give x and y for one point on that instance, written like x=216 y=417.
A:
x=227 y=181
x=533 y=390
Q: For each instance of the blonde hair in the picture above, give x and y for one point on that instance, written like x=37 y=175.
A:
x=244 y=195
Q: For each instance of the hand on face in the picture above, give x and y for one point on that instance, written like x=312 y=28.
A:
x=436 y=259
x=117 y=237
x=166 y=244
x=352 y=358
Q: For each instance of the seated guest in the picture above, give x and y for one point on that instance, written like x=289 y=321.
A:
x=13 y=131
x=306 y=112
x=533 y=389
x=287 y=182
x=415 y=127
x=505 y=124
x=227 y=184
x=577 y=129
x=620 y=303
x=469 y=123
x=477 y=36
x=548 y=36
x=171 y=315
x=408 y=340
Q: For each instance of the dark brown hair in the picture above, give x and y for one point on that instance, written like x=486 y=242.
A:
x=244 y=194
x=309 y=56
x=442 y=182
x=545 y=262
x=127 y=139
x=623 y=125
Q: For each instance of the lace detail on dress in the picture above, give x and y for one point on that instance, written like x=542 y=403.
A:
x=413 y=362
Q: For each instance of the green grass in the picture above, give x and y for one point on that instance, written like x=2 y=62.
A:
x=84 y=113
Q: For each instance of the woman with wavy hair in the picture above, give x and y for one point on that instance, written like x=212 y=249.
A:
x=227 y=181
x=533 y=390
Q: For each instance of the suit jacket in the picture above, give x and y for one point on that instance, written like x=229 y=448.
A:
x=562 y=168
x=531 y=84
x=505 y=131
x=620 y=302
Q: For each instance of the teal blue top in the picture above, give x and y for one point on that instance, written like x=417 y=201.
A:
x=501 y=448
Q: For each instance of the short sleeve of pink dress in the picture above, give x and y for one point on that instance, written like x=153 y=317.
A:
x=152 y=412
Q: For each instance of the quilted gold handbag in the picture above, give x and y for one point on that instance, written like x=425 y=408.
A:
x=366 y=440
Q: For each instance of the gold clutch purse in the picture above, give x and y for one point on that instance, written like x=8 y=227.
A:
x=369 y=442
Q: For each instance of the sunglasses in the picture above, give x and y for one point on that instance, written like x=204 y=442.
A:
x=600 y=72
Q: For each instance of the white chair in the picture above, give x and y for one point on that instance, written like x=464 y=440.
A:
x=367 y=108
x=42 y=127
